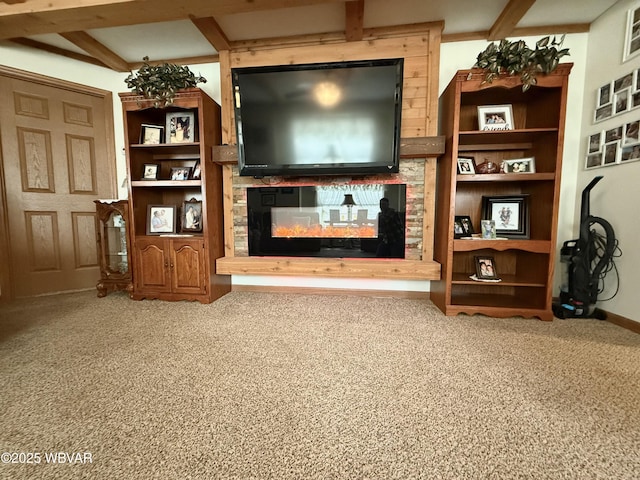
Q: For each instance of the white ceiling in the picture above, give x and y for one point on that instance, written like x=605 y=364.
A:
x=180 y=39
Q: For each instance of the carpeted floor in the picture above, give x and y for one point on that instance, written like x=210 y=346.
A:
x=278 y=386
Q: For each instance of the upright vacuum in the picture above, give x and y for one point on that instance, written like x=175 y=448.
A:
x=584 y=262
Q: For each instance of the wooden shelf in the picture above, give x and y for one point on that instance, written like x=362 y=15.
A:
x=526 y=266
x=165 y=183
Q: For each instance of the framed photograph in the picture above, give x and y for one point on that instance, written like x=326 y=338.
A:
x=510 y=212
x=613 y=134
x=196 y=173
x=495 y=117
x=611 y=153
x=150 y=171
x=632 y=36
x=635 y=100
x=192 y=216
x=151 y=134
x=180 y=127
x=594 y=160
x=604 y=95
x=486 y=268
x=630 y=154
x=161 y=219
x=595 y=143
x=519 y=165
x=603 y=112
x=462 y=226
x=621 y=101
x=631 y=133
x=466 y=166
x=180 y=173
x=623 y=82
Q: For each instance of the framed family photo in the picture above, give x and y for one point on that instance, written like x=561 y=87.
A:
x=632 y=36
x=486 y=268
x=161 y=219
x=192 y=216
x=462 y=226
x=495 y=117
x=510 y=212
x=180 y=127
x=150 y=171
x=180 y=173
x=519 y=165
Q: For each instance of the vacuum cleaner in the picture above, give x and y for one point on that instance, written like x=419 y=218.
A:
x=584 y=262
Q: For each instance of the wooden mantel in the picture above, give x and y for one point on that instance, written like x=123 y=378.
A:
x=419 y=143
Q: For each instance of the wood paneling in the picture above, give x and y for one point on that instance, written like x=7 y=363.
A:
x=85 y=241
x=42 y=241
x=36 y=160
x=81 y=162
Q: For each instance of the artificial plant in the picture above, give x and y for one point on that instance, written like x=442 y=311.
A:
x=161 y=82
x=516 y=58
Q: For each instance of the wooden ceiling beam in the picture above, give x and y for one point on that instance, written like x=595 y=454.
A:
x=354 y=20
x=212 y=32
x=45 y=47
x=36 y=17
x=97 y=50
x=509 y=18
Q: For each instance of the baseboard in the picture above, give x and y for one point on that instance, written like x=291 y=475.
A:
x=332 y=291
x=623 y=322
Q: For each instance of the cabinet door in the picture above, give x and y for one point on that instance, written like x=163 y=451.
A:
x=152 y=265
x=188 y=272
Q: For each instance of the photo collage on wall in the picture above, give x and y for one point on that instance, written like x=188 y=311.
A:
x=620 y=144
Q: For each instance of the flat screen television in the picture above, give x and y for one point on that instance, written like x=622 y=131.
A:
x=339 y=118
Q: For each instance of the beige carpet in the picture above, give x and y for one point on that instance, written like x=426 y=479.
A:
x=277 y=386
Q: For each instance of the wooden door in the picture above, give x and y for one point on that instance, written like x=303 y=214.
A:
x=57 y=158
x=188 y=267
x=151 y=266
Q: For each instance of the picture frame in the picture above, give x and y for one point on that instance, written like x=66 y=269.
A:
x=495 y=117
x=161 y=219
x=613 y=134
x=191 y=218
x=151 y=134
x=466 y=166
x=623 y=82
x=611 y=153
x=519 y=165
x=462 y=226
x=630 y=153
x=603 y=112
x=486 y=267
x=621 y=101
x=510 y=212
x=594 y=143
x=180 y=127
x=150 y=171
x=604 y=95
x=180 y=173
x=196 y=172
x=594 y=160
x=632 y=34
x=631 y=133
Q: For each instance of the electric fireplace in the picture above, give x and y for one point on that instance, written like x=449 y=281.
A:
x=336 y=221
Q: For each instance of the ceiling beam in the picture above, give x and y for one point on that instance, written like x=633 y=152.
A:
x=36 y=17
x=45 y=47
x=354 y=20
x=509 y=18
x=97 y=50
x=212 y=32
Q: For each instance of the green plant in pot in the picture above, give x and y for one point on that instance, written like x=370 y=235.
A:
x=516 y=58
x=161 y=82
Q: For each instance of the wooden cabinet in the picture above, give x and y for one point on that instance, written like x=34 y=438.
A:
x=113 y=246
x=525 y=265
x=176 y=262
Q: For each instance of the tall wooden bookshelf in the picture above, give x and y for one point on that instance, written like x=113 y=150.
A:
x=180 y=264
x=525 y=265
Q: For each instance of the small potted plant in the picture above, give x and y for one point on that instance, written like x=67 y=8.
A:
x=161 y=82
x=516 y=58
